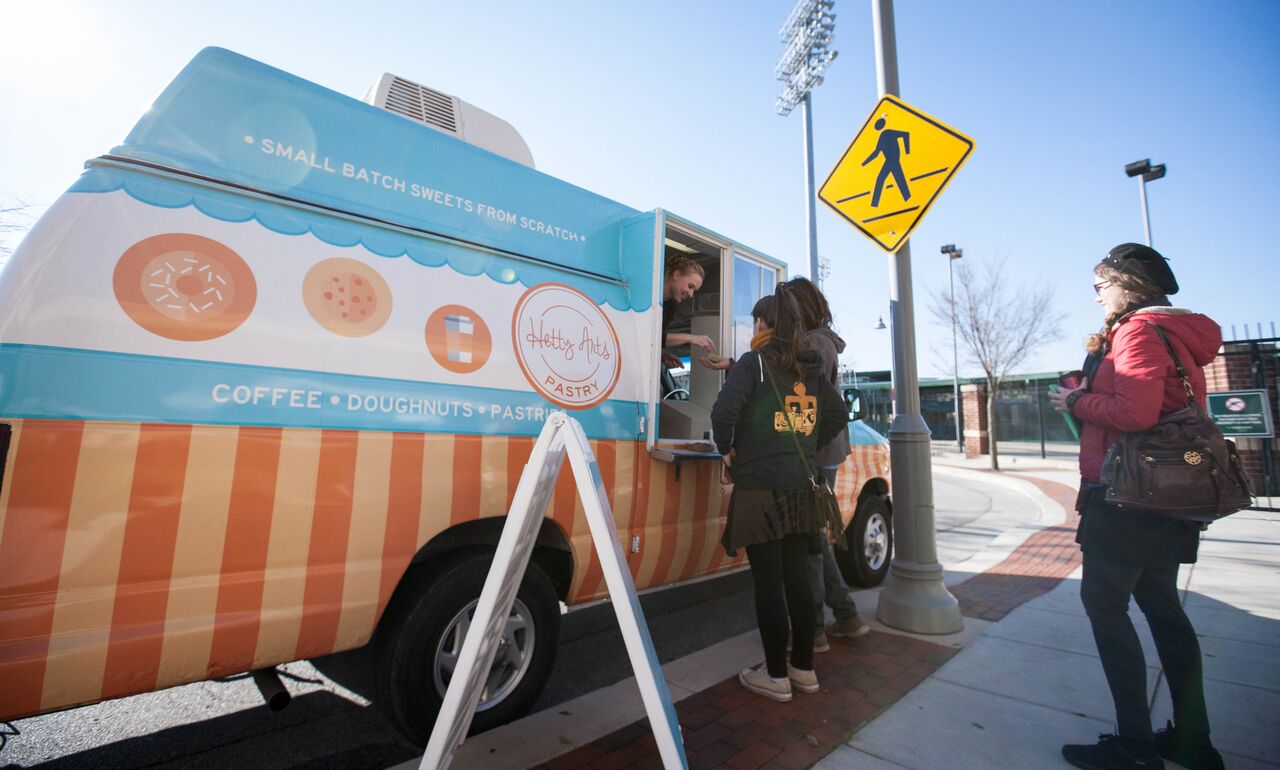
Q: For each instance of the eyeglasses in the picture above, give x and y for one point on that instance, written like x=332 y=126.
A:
x=1098 y=287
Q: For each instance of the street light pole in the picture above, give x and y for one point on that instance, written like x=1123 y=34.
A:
x=914 y=598
x=1146 y=215
x=952 y=255
x=1146 y=173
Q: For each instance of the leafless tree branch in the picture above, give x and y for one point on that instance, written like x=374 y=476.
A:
x=999 y=326
x=13 y=219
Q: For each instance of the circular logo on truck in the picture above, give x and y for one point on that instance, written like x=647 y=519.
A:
x=185 y=287
x=458 y=338
x=565 y=346
x=347 y=297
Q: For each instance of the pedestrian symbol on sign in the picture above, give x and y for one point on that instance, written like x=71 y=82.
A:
x=887 y=146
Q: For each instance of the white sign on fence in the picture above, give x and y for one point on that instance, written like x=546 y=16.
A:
x=561 y=436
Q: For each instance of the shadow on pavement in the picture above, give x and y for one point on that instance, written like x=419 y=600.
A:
x=318 y=729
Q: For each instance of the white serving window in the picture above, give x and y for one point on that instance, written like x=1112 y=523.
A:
x=752 y=280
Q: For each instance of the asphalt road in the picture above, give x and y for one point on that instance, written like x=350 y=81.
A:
x=330 y=723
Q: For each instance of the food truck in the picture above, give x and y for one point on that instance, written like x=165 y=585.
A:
x=271 y=369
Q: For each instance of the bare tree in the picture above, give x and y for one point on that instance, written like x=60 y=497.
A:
x=999 y=325
x=13 y=219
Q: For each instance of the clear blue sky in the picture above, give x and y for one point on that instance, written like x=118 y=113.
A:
x=670 y=104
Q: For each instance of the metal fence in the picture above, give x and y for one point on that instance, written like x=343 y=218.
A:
x=1026 y=423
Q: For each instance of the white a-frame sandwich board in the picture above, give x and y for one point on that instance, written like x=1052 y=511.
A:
x=562 y=435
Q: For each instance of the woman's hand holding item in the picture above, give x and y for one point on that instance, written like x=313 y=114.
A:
x=702 y=341
x=674 y=339
x=1061 y=399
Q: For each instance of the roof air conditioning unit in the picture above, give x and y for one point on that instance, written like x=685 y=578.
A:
x=450 y=115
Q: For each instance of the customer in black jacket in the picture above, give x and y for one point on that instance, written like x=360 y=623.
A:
x=775 y=410
x=825 y=579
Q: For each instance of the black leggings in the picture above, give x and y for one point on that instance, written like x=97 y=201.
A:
x=779 y=569
x=1104 y=591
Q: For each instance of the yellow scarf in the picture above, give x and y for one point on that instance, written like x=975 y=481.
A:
x=761 y=339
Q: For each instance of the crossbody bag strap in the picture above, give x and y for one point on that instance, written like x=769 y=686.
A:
x=1177 y=363
x=804 y=462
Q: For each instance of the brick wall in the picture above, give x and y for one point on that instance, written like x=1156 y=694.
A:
x=974 y=419
x=1233 y=370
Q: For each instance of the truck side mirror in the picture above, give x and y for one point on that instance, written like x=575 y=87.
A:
x=856 y=406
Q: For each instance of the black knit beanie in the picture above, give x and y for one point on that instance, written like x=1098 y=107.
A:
x=1144 y=262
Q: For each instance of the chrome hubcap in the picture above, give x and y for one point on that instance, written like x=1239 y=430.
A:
x=875 y=541
x=510 y=662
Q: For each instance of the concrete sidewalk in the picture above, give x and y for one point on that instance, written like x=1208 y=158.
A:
x=1032 y=681
x=1020 y=680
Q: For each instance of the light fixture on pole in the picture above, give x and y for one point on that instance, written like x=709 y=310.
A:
x=953 y=254
x=879 y=324
x=808 y=32
x=1146 y=173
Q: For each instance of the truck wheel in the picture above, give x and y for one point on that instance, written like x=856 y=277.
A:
x=419 y=645
x=870 y=544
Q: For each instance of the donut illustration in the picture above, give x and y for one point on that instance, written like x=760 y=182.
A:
x=347 y=297
x=184 y=287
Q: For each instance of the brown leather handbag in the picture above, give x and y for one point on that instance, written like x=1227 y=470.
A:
x=1182 y=467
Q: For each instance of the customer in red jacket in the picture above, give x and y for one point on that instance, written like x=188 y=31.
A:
x=1131 y=380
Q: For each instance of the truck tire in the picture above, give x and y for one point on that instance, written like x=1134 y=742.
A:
x=419 y=642
x=869 y=541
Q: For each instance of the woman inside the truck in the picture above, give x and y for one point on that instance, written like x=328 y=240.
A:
x=683 y=278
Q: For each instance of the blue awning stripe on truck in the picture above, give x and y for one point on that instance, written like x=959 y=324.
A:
x=232 y=119
x=42 y=382
x=378 y=238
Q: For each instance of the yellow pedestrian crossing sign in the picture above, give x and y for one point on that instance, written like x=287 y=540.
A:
x=895 y=168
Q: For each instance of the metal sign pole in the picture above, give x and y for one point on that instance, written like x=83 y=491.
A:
x=914 y=598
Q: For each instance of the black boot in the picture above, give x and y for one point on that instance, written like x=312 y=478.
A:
x=1112 y=752
x=1188 y=748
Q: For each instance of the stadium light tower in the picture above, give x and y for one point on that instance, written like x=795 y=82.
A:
x=807 y=33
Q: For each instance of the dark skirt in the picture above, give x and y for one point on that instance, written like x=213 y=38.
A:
x=1131 y=538
x=759 y=516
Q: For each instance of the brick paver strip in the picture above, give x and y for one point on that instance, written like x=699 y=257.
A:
x=1034 y=568
x=724 y=729
x=726 y=726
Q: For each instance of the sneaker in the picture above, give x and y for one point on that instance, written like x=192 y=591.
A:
x=757 y=680
x=853 y=625
x=804 y=681
x=1188 y=748
x=1112 y=752
x=820 y=643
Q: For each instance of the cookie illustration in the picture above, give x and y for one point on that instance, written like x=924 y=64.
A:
x=347 y=297
x=184 y=287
